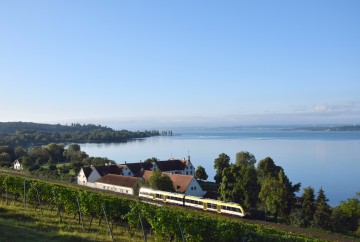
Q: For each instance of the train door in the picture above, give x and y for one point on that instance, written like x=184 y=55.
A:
x=205 y=205
x=218 y=208
x=154 y=196
x=164 y=198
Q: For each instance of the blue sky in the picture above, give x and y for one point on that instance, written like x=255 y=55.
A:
x=154 y=63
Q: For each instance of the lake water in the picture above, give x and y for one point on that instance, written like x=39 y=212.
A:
x=319 y=159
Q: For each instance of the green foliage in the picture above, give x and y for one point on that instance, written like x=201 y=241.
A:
x=245 y=159
x=29 y=134
x=323 y=211
x=200 y=173
x=159 y=181
x=346 y=216
x=240 y=185
x=277 y=192
x=267 y=167
x=220 y=164
x=308 y=207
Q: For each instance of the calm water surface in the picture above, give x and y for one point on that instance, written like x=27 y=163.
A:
x=319 y=159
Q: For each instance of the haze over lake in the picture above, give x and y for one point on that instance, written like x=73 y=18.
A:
x=315 y=158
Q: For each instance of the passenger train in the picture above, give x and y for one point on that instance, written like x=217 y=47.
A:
x=192 y=201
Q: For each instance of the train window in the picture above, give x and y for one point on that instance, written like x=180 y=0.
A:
x=223 y=207
x=201 y=203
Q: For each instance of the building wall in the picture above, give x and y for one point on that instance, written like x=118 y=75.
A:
x=17 y=166
x=127 y=172
x=81 y=178
x=109 y=187
x=194 y=189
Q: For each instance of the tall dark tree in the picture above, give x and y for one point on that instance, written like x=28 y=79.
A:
x=323 y=211
x=251 y=187
x=220 y=163
x=308 y=206
x=200 y=173
x=289 y=191
x=245 y=159
x=56 y=152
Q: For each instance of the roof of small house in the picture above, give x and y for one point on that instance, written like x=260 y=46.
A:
x=180 y=182
x=108 y=169
x=118 y=180
x=171 y=165
x=136 y=167
x=87 y=171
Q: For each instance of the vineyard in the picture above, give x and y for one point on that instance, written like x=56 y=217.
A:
x=121 y=216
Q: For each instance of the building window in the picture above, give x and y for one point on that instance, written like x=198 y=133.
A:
x=187 y=173
x=129 y=173
x=194 y=188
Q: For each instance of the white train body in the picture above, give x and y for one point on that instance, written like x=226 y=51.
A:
x=192 y=201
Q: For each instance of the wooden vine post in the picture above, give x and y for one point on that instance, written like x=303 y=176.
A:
x=80 y=214
x=107 y=221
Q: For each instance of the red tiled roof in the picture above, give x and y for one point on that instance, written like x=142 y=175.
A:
x=180 y=182
x=118 y=180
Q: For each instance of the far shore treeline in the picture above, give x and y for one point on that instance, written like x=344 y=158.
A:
x=29 y=134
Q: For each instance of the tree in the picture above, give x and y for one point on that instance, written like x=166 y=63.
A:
x=200 y=173
x=240 y=185
x=346 y=216
x=271 y=195
x=56 y=152
x=308 y=206
x=323 y=211
x=267 y=167
x=158 y=181
x=289 y=191
x=150 y=160
x=245 y=158
x=220 y=163
x=19 y=152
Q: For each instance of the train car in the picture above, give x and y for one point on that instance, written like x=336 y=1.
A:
x=166 y=197
x=232 y=208
x=192 y=201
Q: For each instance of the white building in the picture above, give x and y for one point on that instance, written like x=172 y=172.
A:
x=172 y=166
x=17 y=165
x=185 y=184
x=117 y=183
x=93 y=173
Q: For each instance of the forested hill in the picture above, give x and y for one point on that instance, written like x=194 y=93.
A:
x=12 y=127
x=31 y=134
x=330 y=128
